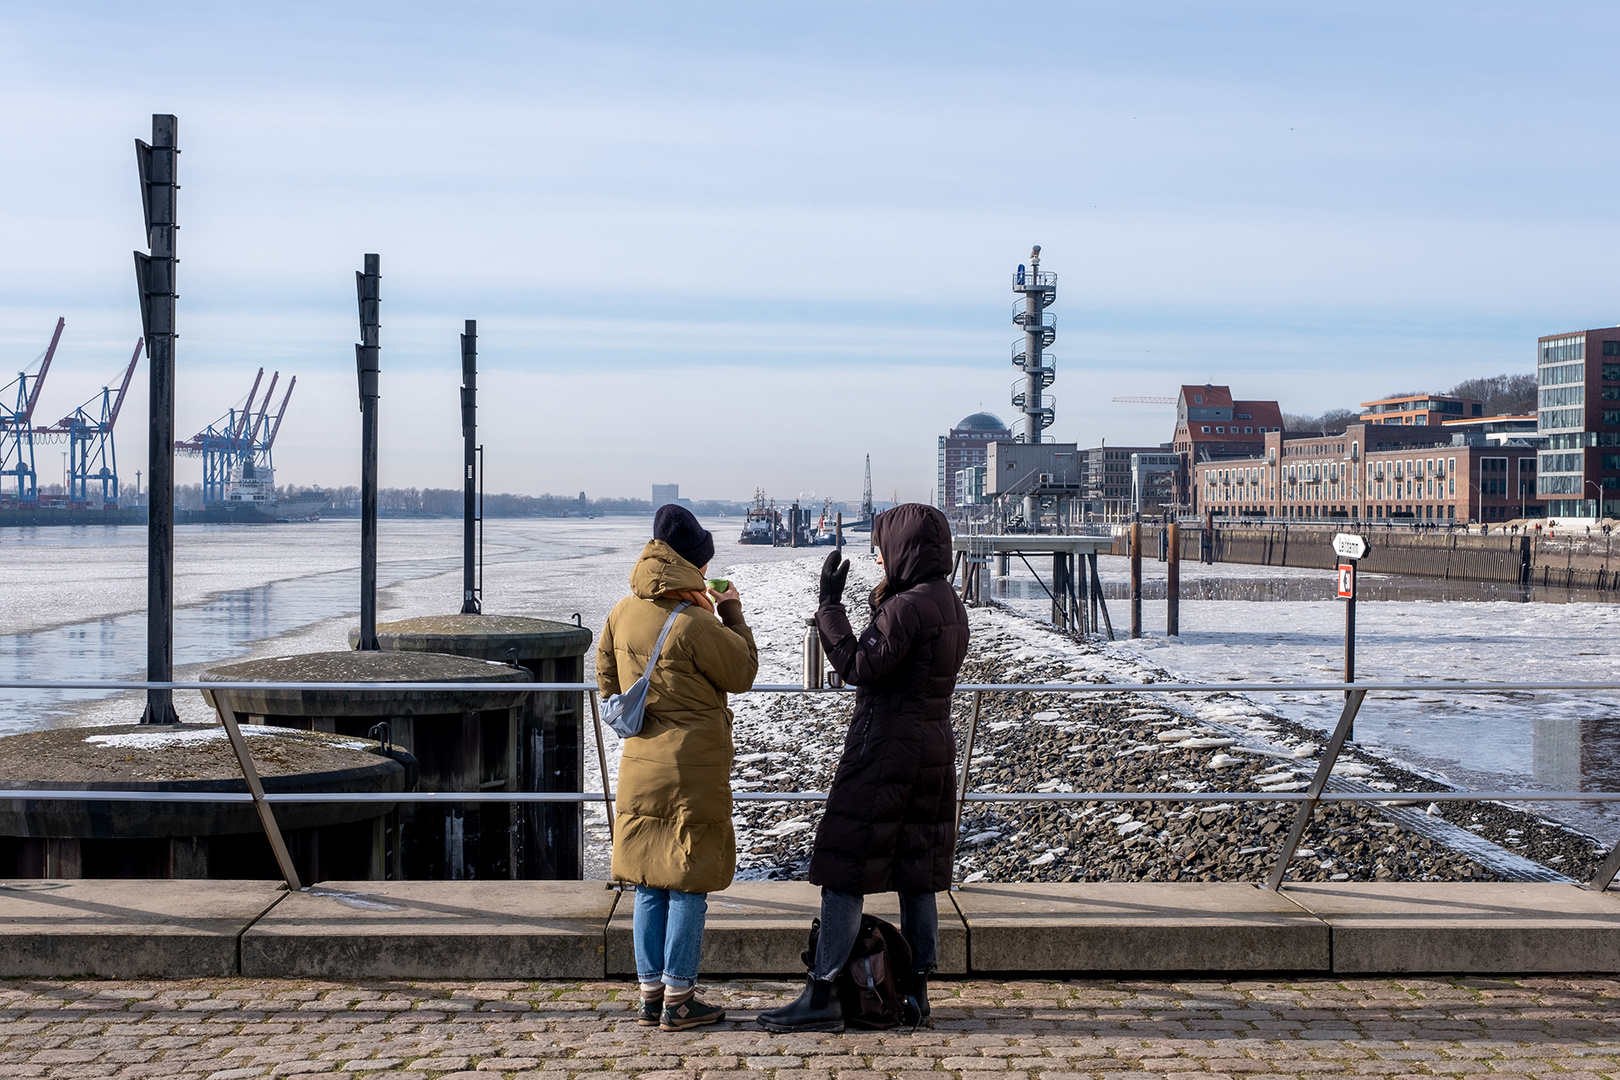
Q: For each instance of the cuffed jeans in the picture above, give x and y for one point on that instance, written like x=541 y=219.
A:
x=841 y=925
x=668 y=932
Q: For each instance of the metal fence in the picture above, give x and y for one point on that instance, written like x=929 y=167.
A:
x=1314 y=794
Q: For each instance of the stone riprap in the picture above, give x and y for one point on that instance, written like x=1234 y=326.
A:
x=1142 y=742
x=241 y=1029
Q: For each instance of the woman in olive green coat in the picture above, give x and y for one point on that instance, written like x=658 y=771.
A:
x=672 y=826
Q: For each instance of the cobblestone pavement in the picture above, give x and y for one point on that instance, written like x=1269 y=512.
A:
x=227 y=1029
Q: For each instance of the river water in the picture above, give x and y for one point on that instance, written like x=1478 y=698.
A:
x=72 y=607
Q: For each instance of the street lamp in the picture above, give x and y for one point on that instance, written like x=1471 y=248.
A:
x=1597 y=504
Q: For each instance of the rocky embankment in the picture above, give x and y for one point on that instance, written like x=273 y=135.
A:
x=1114 y=742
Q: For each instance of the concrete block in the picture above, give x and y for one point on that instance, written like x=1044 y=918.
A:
x=434 y=930
x=121 y=929
x=1475 y=927
x=760 y=928
x=1132 y=926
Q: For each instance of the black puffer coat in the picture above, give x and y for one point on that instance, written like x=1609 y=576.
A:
x=890 y=823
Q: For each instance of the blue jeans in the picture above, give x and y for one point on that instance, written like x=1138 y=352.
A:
x=668 y=933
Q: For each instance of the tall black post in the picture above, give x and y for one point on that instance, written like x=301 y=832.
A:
x=471 y=601
x=154 y=279
x=366 y=359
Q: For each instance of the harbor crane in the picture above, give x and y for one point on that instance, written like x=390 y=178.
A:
x=234 y=439
x=1141 y=400
x=89 y=429
x=17 y=424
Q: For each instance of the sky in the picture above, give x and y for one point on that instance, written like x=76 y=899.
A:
x=743 y=246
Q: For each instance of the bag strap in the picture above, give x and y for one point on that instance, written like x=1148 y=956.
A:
x=652 y=661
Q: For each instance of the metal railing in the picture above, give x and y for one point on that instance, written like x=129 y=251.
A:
x=1314 y=794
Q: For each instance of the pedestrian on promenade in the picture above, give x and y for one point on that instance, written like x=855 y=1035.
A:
x=890 y=822
x=673 y=837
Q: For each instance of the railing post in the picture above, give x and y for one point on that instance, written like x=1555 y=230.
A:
x=967 y=757
x=1604 y=875
x=1352 y=704
x=267 y=815
x=601 y=758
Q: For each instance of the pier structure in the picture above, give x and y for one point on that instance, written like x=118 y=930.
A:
x=547 y=736
x=1037 y=291
x=462 y=740
x=157 y=838
x=1075 y=588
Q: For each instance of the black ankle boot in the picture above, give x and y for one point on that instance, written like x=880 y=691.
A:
x=914 y=1010
x=818 y=1009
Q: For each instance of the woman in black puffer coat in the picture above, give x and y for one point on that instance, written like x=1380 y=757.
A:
x=890 y=822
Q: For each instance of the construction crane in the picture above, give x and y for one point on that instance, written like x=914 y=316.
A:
x=90 y=440
x=17 y=424
x=233 y=441
x=1146 y=400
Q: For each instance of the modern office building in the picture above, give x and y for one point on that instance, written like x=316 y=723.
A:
x=662 y=494
x=966 y=446
x=1107 y=486
x=1420 y=410
x=1578 y=412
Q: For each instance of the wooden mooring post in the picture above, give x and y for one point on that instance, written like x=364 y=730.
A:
x=1172 y=569
x=1136 y=579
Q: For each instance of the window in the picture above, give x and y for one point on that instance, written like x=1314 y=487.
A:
x=1610 y=393
x=1572 y=347
x=1564 y=373
x=1248 y=431
x=1611 y=348
x=1206 y=429
x=1563 y=395
x=1610 y=417
x=1611 y=372
x=1611 y=461
x=1220 y=431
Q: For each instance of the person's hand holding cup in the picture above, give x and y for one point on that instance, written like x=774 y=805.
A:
x=722 y=590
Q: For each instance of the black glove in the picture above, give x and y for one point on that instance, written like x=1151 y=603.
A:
x=834 y=572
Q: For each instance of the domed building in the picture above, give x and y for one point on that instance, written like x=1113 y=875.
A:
x=966 y=446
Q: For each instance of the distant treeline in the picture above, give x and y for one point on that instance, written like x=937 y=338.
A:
x=447 y=502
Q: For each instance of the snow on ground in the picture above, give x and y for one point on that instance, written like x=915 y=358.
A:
x=1524 y=740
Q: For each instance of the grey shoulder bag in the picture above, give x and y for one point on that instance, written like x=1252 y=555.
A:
x=624 y=712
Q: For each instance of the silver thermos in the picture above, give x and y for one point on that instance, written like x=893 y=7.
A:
x=812 y=656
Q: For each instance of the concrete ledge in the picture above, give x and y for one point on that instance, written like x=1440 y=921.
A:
x=127 y=929
x=435 y=930
x=1475 y=927
x=1138 y=927
x=760 y=928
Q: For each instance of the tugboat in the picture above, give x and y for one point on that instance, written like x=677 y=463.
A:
x=762 y=525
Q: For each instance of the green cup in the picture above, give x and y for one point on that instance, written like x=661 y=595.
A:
x=718 y=585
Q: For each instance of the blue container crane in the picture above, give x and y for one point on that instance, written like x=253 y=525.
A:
x=17 y=425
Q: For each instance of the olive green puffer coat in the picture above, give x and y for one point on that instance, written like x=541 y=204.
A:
x=673 y=824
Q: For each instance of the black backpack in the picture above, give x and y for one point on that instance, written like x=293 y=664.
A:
x=866 y=984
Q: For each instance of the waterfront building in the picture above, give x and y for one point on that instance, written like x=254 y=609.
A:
x=1106 y=479
x=663 y=494
x=1497 y=429
x=1212 y=426
x=1373 y=473
x=966 y=446
x=1420 y=410
x=1578 y=412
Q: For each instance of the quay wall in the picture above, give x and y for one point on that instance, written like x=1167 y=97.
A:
x=1575 y=562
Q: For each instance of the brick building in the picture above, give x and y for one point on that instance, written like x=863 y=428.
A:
x=965 y=447
x=1212 y=426
x=1372 y=473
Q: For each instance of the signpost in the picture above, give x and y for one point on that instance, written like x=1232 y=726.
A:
x=1349 y=548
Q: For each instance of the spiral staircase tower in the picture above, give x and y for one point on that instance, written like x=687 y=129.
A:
x=1038 y=291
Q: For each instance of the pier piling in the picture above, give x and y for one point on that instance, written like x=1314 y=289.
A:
x=154 y=279
x=471 y=589
x=367 y=285
x=1172 y=611
x=1136 y=579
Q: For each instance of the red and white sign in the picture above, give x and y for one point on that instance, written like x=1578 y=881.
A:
x=1347 y=581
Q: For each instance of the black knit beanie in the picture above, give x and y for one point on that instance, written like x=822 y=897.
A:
x=676 y=526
